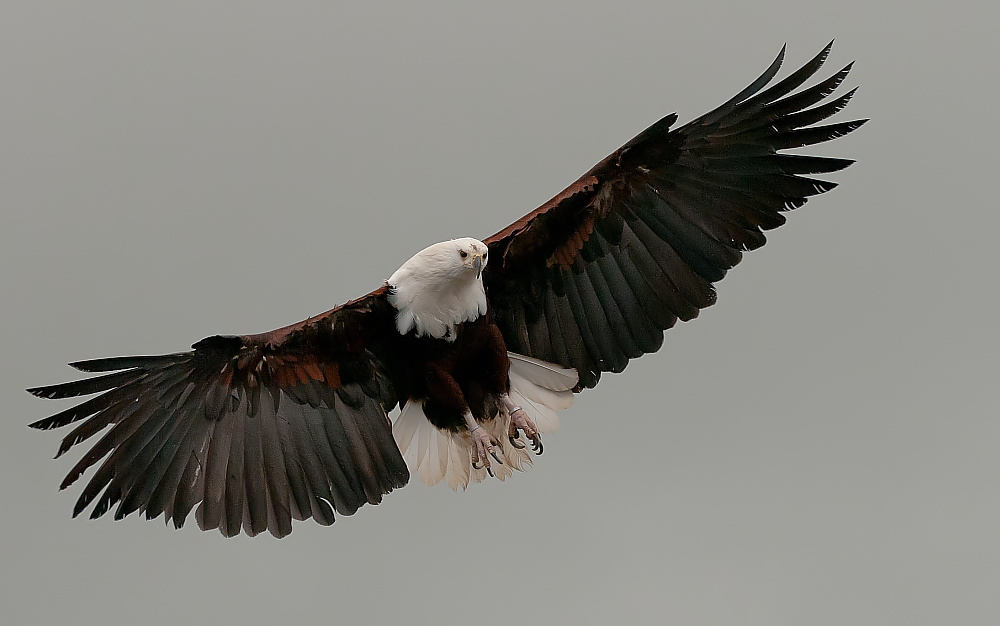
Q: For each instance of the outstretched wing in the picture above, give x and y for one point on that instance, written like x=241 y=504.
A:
x=593 y=277
x=257 y=429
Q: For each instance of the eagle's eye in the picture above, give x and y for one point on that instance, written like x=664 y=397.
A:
x=484 y=255
x=463 y=253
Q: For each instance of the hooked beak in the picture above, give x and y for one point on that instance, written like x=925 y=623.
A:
x=477 y=264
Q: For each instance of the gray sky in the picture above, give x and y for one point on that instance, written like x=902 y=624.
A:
x=818 y=448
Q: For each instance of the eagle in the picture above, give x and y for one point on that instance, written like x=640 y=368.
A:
x=480 y=343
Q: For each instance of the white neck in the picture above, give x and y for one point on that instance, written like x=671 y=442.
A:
x=433 y=295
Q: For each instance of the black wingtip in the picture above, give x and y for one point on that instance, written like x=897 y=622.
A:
x=65 y=446
x=38 y=392
x=116 y=363
x=778 y=60
x=748 y=91
x=817 y=61
x=853 y=125
x=825 y=52
x=68 y=481
x=42 y=424
x=95 y=365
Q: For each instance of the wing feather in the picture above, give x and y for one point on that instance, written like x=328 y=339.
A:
x=233 y=519
x=186 y=492
x=253 y=431
x=212 y=499
x=593 y=277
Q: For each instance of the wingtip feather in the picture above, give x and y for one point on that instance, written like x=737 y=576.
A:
x=46 y=423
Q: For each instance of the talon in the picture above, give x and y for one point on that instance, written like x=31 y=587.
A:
x=536 y=444
x=519 y=421
x=516 y=444
x=482 y=446
x=489 y=470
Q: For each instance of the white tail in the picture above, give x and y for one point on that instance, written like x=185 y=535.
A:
x=538 y=387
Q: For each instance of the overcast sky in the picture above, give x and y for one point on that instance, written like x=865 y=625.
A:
x=819 y=448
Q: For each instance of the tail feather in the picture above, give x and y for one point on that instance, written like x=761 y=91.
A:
x=406 y=425
x=459 y=466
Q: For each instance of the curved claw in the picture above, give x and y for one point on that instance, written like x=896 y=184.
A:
x=515 y=443
x=536 y=444
x=483 y=447
x=519 y=421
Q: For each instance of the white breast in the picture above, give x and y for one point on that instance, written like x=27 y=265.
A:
x=433 y=293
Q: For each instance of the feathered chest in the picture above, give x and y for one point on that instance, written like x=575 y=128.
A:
x=433 y=296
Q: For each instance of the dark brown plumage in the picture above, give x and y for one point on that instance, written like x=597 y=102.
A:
x=591 y=278
x=260 y=429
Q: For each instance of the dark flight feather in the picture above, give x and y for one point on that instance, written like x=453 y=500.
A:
x=231 y=428
x=680 y=205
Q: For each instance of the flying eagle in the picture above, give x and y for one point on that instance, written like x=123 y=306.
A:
x=479 y=343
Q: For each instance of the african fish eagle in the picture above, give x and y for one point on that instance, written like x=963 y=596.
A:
x=478 y=342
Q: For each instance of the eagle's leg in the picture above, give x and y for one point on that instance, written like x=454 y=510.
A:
x=519 y=421
x=483 y=445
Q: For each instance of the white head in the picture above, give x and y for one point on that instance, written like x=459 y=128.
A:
x=439 y=287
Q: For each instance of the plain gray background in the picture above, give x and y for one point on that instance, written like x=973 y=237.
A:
x=818 y=448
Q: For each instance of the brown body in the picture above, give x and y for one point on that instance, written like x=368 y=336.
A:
x=468 y=374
